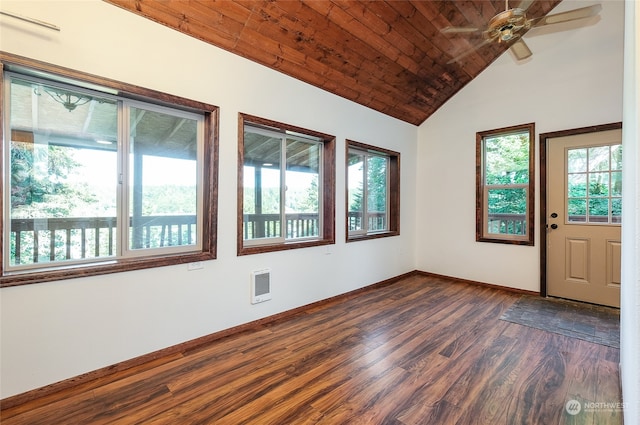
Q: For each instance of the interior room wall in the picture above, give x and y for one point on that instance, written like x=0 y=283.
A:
x=58 y=330
x=630 y=300
x=573 y=79
x=54 y=331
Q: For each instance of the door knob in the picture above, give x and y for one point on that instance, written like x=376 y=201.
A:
x=554 y=215
x=554 y=226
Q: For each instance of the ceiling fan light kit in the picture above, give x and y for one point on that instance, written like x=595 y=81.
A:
x=509 y=26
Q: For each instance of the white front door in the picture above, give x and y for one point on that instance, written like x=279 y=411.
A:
x=584 y=189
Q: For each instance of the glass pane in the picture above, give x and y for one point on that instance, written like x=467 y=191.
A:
x=577 y=185
x=302 y=199
x=577 y=160
x=616 y=183
x=598 y=184
x=261 y=183
x=62 y=160
x=599 y=158
x=577 y=210
x=616 y=157
x=163 y=180
x=507 y=211
x=599 y=210
x=377 y=193
x=355 y=182
x=603 y=185
x=616 y=210
x=507 y=159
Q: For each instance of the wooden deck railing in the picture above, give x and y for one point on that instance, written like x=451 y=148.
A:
x=375 y=221
x=57 y=239
x=302 y=225
x=268 y=225
x=507 y=224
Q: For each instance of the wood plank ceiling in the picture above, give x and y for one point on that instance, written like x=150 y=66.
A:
x=387 y=55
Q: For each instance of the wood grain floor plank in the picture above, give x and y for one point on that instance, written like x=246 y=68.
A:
x=422 y=350
x=440 y=412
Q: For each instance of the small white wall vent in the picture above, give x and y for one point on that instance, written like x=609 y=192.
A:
x=260 y=286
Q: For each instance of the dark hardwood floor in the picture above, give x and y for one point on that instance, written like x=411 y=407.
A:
x=423 y=350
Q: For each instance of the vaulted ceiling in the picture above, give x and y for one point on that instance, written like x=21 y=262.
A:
x=388 y=55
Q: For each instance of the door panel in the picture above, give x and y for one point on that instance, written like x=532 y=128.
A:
x=614 y=263
x=577 y=260
x=583 y=234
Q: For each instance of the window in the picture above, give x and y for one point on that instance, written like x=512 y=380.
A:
x=505 y=190
x=286 y=187
x=96 y=181
x=373 y=192
x=594 y=184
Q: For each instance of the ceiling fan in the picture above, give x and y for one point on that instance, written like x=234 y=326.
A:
x=509 y=26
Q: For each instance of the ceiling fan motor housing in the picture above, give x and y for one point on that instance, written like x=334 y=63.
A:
x=507 y=25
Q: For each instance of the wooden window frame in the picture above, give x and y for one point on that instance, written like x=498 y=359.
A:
x=208 y=248
x=327 y=213
x=393 y=192
x=481 y=189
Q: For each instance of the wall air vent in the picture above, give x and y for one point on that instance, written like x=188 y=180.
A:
x=260 y=286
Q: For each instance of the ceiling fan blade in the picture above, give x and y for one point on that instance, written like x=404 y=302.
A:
x=570 y=15
x=459 y=30
x=524 y=4
x=470 y=50
x=520 y=50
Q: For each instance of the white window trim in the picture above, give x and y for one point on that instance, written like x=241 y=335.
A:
x=505 y=236
x=365 y=228
x=124 y=177
x=284 y=136
x=122 y=250
x=587 y=197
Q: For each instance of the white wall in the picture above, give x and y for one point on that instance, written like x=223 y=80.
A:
x=58 y=330
x=630 y=300
x=573 y=79
x=53 y=331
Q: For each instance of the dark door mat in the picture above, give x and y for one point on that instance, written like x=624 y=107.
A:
x=588 y=322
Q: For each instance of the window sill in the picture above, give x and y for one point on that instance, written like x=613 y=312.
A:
x=99 y=268
x=261 y=249
x=357 y=238
x=525 y=242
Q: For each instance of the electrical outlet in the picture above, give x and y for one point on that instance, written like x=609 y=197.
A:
x=195 y=266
